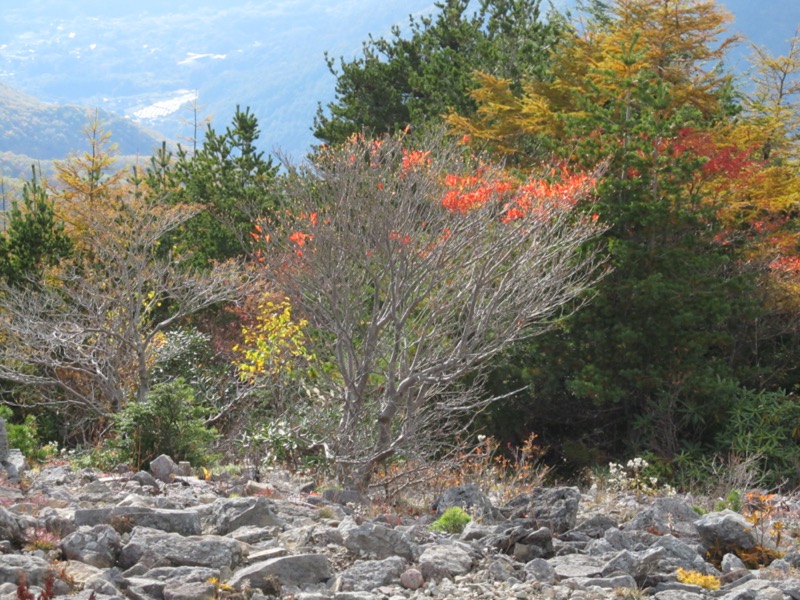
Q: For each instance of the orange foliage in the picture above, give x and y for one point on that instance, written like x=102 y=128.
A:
x=413 y=159
x=468 y=192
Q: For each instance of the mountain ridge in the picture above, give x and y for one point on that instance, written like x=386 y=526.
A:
x=270 y=57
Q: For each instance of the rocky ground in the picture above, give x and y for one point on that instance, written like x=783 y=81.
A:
x=163 y=534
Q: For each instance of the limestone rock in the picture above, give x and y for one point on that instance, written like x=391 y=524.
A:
x=14 y=464
x=366 y=575
x=165 y=469
x=228 y=514
x=469 y=497
x=411 y=579
x=196 y=590
x=440 y=560
x=10 y=528
x=155 y=547
x=554 y=508
x=666 y=515
x=98 y=546
x=540 y=570
x=376 y=542
x=299 y=569
x=183 y=522
x=726 y=530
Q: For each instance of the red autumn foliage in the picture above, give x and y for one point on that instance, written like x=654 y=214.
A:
x=721 y=160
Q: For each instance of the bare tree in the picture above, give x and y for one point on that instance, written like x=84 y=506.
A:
x=417 y=267
x=85 y=337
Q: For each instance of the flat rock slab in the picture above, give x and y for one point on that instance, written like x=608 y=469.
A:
x=154 y=546
x=444 y=560
x=301 y=569
x=174 y=521
x=576 y=565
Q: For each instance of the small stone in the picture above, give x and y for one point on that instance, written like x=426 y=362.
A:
x=164 y=468
x=731 y=562
x=411 y=579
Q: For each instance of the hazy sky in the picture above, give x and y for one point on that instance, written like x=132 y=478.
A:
x=127 y=56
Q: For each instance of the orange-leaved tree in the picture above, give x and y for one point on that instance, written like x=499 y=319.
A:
x=651 y=364
x=414 y=267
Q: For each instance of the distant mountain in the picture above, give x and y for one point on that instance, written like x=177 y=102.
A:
x=46 y=131
x=36 y=133
x=147 y=60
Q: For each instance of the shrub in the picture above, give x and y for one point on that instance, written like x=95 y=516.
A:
x=764 y=424
x=708 y=582
x=453 y=520
x=167 y=422
x=25 y=436
x=38 y=538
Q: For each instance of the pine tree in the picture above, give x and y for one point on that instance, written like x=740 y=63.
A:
x=34 y=238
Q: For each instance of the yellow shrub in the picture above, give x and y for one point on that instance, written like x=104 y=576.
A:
x=708 y=582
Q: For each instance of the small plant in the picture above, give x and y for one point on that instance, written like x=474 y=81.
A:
x=733 y=501
x=122 y=524
x=325 y=512
x=220 y=588
x=38 y=538
x=635 y=476
x=25 y=437
x=453 y=520
x=762 y=510
x=708 y=582
x=24 y=591
x=167 y=422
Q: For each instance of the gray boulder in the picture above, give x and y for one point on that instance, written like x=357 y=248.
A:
x=376 y=542
x=34 y=569
x=616 y=582
x=165 y=469
x=726 y=531
x=469 y=497
x=153 y=547
x=554 y=508
x=196 y=590
x=366 y=575
x=183 y=522
x=523 y=539
x=569 y=566
x=298 y=570
x=681 y=554
x=182 y=574
x=539 y=569
x=592 y=528
x=107 y=583
x=476 y=531
x=444 y=560
x=144 y=478
x=14 y=464
x=10 y=528
x=666 y=515
x=639 y=565
x=98 y=546
x=229 y=514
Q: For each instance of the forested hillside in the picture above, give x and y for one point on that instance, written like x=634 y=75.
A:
x=37 y=133
x=576 y=235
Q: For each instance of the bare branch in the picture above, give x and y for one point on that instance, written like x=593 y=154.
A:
x=415 y=294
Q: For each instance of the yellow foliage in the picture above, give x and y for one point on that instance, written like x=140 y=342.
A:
x=275 y=343
x=644 y=42
x=708 y=582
